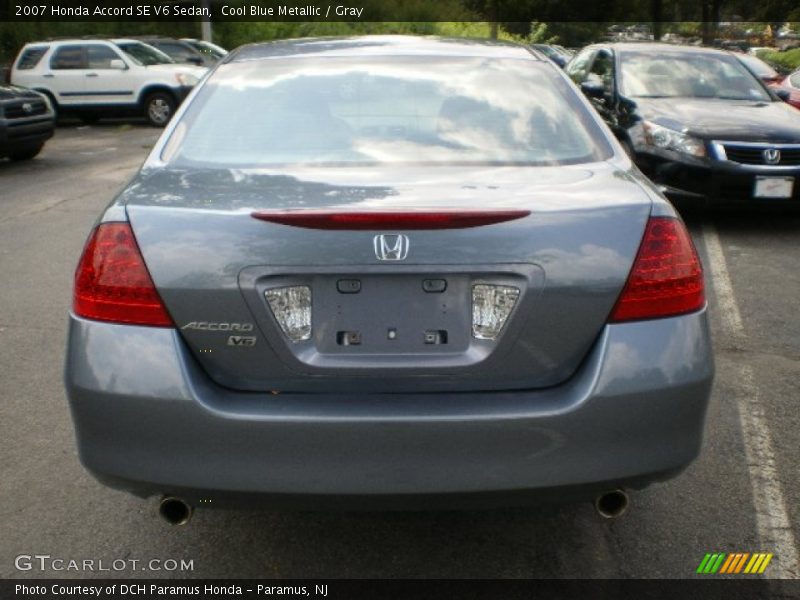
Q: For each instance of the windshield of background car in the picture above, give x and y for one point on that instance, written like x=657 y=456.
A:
x=378 y=110
x=759 y=67
x=687 y=75
x=143 y=54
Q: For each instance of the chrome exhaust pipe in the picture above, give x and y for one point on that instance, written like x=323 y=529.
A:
x=611 y=504
x=174 y=510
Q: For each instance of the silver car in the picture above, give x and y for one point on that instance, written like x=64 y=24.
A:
x=387 y=272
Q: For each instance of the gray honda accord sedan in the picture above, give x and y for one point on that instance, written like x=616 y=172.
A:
x=392 y=272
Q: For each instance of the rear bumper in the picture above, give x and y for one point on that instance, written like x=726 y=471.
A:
x=148 y=420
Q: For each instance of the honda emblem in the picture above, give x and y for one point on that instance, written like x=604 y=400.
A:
x=392 y=246
x=772 y=156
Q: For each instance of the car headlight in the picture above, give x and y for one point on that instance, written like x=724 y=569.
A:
x=670 y=139
x=186 y=80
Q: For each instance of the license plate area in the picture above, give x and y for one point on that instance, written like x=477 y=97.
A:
x=389 y=297
x=773 y=187
x=391 y=314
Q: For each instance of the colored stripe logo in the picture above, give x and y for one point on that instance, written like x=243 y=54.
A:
x=734 y=563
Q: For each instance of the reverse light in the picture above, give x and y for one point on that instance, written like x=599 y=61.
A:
x=666 y=278
x=112 y=282
x=291 y=307
x=491 y=306
x=670 y=139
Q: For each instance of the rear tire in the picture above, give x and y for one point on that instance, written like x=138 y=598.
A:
x=26 y=153
x=159 y=108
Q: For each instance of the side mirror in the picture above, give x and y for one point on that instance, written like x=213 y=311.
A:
x=784 y=95
x=593 y=89
x=116 y=63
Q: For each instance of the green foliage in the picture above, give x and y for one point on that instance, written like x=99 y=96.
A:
x=786 y=61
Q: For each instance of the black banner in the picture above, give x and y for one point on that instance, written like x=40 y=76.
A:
x=707 y=589
x=504 y=11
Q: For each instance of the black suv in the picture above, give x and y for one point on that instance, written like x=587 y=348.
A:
x=26 y=122
x=697 y=121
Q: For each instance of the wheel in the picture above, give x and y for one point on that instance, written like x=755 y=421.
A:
x=26 y=153
x=159 y=108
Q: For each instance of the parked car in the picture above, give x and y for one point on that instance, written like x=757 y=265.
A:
x=98 y=77
x=561 y=58
x=341 y=300
x=791 y=83
x=207 y=48
x=181 y=52
x=26 y=122
x=696 y=121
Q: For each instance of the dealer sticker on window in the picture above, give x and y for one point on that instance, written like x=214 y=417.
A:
x=773 y=187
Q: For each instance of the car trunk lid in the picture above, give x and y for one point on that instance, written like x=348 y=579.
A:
x=378 y=324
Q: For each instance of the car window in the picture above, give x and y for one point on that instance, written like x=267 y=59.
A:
x=578 y=68
x=68 y=57
x=429 y=110
x=795 y=80
x=688 y=74
x=758 y=66
x=100 y=57
x=30 y=57
x=603 y=68
x=144 y=54
x=178 y=52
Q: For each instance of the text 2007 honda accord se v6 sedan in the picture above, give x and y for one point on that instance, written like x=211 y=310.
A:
x=393 y=272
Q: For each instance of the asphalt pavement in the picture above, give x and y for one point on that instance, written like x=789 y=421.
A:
x=741 y=495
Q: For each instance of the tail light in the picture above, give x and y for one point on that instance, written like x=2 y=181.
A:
x=666 y=278
x=112 y=282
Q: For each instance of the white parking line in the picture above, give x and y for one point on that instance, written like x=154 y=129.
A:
x=772 y=519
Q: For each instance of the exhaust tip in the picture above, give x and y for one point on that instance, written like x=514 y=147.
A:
x=611 y=505
x=174 y=510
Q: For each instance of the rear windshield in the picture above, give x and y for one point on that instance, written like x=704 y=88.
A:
x=688 y=75
x=421 y=110
x=30 y=57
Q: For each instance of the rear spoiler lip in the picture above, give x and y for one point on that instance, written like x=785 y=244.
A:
x=406 y=219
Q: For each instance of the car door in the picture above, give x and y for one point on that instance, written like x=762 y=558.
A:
x=66 y=74
x=106 y=83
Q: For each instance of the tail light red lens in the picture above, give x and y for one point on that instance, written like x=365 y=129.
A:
x=380 y=220
x=112 y=282
x=666 y=278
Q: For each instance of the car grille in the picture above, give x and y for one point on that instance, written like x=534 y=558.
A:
x=751 y=154
x=16 y=110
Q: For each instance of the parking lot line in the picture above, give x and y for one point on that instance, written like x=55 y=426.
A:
x=772 y=519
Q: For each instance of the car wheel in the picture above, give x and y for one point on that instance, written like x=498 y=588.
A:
x=26 y=153
x=159 y=108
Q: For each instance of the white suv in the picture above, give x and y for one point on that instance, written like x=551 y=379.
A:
x=97 y=77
